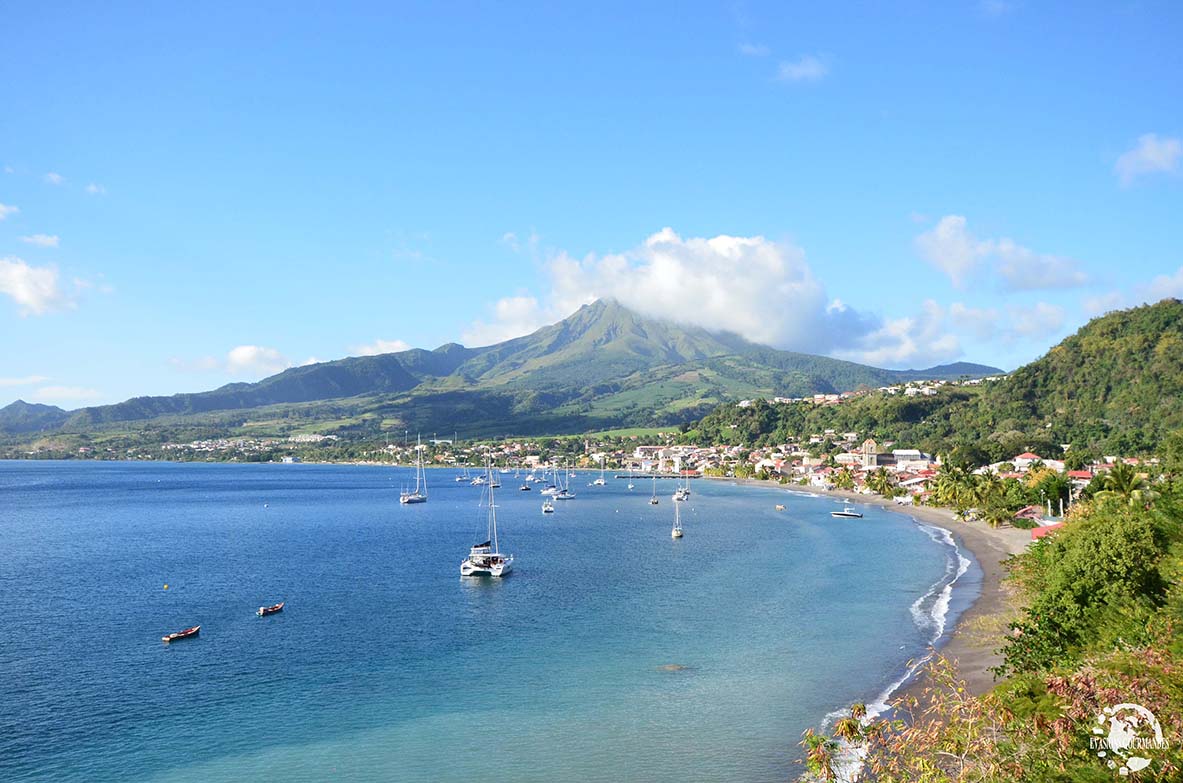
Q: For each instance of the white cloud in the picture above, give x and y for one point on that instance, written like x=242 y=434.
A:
x=1025 y=270
x=53 y=178
x=65 y=394
x=1151 y=155
x=378 y=347
x=919 y=340
x=950 y=247
x=42 y=240
x=1161 y=287
x=1164 y=286
x=807 y=68
x=243 y=361
x=517 y=244
x=28 y=380
x=1103 y=303
x=255 y=361
x=760 y=289
x=96 y=189
x=6 y=210
x=979 y=323
x=753 y=50
x=1038 y=320
x=513 y=316
x=35 y=288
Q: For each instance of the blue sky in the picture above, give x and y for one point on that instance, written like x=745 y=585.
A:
x=193 y=195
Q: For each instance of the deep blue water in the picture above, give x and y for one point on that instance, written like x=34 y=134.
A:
x=387 y=666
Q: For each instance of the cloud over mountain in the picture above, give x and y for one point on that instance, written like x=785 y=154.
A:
x=761 y=289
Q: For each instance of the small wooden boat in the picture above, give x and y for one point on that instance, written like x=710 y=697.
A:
x=185 y=634
x=266 y=610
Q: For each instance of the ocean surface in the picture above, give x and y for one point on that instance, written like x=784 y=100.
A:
x=612 y=653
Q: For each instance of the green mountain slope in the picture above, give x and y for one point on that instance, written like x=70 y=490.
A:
x=602 y=367
x=1114 y=387
x=23 y=417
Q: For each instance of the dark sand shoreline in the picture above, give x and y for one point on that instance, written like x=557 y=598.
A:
x=973 y=653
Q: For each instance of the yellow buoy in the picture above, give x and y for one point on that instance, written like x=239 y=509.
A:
x=166 y=587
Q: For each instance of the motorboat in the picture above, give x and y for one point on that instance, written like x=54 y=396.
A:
x=188 y=633
x=847 y=512
x=266 y=610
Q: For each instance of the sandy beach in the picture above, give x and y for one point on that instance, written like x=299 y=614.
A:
x=971 y=643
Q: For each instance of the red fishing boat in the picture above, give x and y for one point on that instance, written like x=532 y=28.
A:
x=266 y=610
x=185 y=634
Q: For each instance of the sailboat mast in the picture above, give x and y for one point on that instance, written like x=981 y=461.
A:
x=492 y=514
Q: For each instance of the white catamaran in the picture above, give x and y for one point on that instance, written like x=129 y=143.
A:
x=485 y=559
x=419 y=495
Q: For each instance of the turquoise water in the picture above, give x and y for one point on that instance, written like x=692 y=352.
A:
x=612 y=653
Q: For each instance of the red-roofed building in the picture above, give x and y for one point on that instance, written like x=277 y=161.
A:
x=1024 y=460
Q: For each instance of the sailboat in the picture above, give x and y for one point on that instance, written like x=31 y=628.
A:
x=682 y=492
x=485 y=558
x=419 y=495
x=676 y=532
x=463 y=475
x=653 y=501
x=600 y=482
x=564 y=492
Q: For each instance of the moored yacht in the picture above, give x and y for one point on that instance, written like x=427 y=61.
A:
x=419 y=495
x=676 y=532
x=486 y=559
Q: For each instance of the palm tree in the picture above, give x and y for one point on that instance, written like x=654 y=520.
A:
x=844 y=479
x=881 y=483
x=1122 y=481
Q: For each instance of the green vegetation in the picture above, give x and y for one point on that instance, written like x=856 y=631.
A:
x=603 y=368
x=1100 y=624
x=1115 y=387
